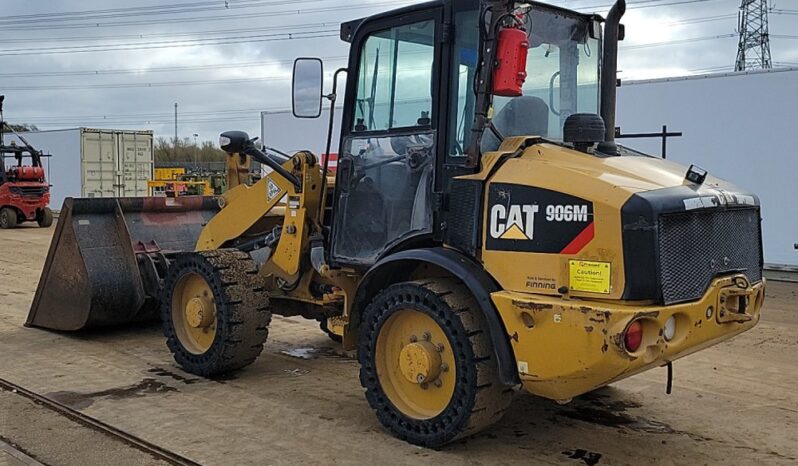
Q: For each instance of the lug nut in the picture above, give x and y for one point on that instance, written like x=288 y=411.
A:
x=420 y=378
x=413 y=338
x=439 y=347
x=444 y=367
x=437 y=383
x=424 y=386
x=427 y=336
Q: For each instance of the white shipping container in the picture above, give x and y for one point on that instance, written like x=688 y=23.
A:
x=89 y=162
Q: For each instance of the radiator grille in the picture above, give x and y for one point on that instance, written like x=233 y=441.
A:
x=463 y=218
x=31 y=191
x=695 y=247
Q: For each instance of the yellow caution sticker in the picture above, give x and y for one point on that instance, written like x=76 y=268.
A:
x=590 y=276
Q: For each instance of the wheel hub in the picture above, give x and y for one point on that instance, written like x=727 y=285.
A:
x=420 y=362
x=194 y=313
x=198 y=313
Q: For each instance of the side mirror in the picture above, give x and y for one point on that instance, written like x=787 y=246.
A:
x=306 y=87
x=233 y=142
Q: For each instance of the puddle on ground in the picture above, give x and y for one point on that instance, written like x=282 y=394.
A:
x=319 y=352
x=78 y=400
x=601 y=409
x=301 y=353
x=166 y=373
x=618 y=419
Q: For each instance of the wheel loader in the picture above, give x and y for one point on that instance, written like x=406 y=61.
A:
x=483 y=233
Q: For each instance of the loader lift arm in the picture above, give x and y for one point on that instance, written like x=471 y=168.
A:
x=297 y=181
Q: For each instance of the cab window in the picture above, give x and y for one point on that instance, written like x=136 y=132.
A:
x=394 y=79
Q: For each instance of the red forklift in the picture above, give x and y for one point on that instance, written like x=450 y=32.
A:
x=24 y=191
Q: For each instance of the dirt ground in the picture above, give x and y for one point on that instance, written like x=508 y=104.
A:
x=301 y=402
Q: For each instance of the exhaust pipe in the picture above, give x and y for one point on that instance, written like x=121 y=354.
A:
x=609 y=76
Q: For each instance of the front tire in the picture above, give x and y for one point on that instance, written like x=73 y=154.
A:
x=427 y=362
x=44 y=217
x=8 y=218
x=215 y=315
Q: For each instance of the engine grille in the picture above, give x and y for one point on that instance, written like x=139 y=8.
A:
x=32 y=191
x=695 y=247
x=464 y=219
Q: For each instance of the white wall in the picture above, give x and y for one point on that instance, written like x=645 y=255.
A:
x=741 y=127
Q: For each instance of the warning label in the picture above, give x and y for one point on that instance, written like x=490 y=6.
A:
x=590 y=276
x=273 y=190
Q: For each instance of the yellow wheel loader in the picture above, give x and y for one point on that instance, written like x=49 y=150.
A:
x=484 y=232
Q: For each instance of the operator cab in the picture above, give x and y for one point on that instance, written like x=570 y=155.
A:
x=410 y=105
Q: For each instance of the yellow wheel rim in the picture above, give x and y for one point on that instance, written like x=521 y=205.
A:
x=194 y=313
x=415 y=364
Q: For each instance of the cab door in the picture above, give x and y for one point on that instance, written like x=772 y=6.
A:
x=386 y=168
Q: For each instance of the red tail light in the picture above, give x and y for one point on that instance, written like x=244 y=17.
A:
x=633 y=336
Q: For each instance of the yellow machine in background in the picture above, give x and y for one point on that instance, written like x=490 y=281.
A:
x=168 y=174
x=480 y=235
x=179 y=188
x=175 y=182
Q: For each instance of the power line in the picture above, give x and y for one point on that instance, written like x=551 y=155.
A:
x=146 y=85
x=700 y=19
x=171 y=44
x=678 y=41
x=204 y=112
x=293 y=12
x=101 y=72
x=171 y=34
x=645 y=4
x=142 y=11
x=125 y=10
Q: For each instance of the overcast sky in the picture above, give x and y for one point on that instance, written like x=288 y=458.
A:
x=224 y=86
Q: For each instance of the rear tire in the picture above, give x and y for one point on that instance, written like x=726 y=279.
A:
x=214 y=312
x=430 y=322
x=44 y=217
x=8 y=218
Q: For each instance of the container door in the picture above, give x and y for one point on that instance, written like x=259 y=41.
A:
x=135 y=163
x=98 y=159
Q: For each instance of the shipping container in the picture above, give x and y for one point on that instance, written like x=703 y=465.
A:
x=88 y=162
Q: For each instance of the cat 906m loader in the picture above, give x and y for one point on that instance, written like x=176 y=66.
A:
x=483 y=232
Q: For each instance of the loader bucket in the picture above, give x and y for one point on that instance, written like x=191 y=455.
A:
x=92 y=275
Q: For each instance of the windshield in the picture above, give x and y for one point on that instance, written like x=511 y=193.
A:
x=562 y=78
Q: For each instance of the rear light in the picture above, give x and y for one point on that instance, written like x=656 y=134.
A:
x=633 y=336
x=669 y=330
